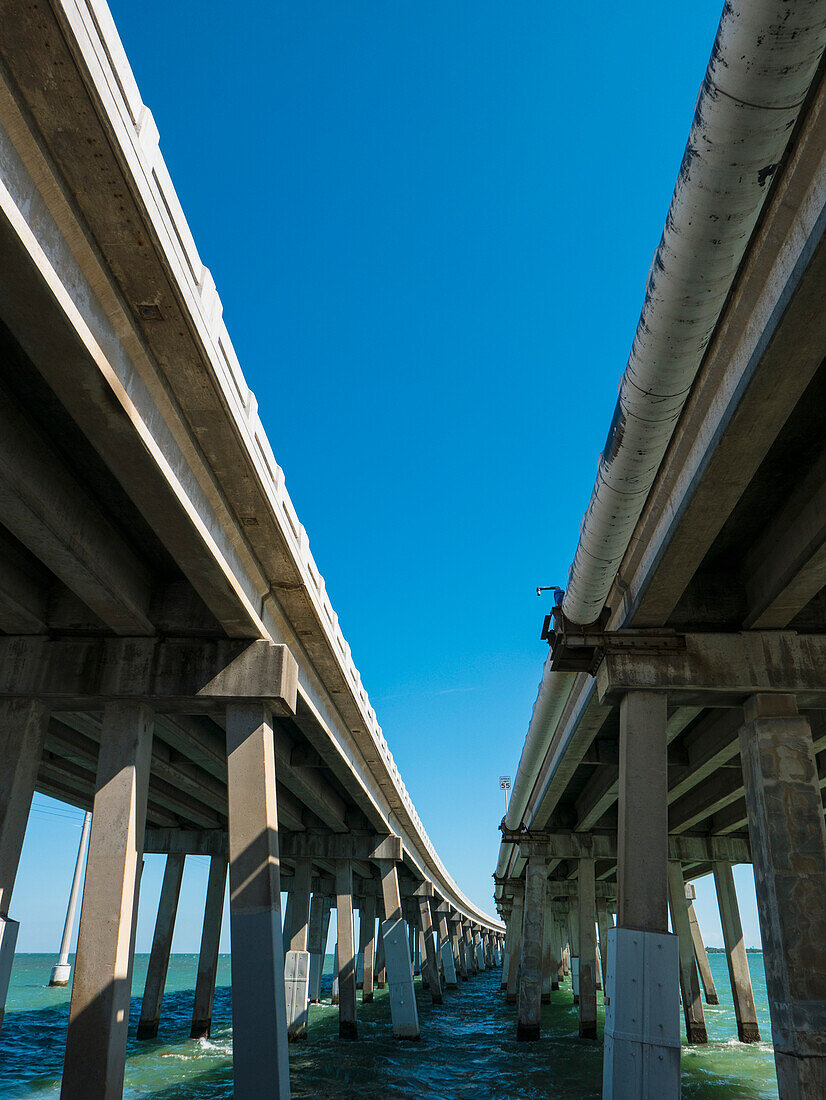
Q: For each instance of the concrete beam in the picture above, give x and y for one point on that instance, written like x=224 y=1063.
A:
x=181 y=673
x=723 y=669
x=55 y=518
x=336 y=846
x=688 y=849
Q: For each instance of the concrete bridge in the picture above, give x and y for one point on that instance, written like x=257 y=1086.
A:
x=169 y=658
x=680 y=726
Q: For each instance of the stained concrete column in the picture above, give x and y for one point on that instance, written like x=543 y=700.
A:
x=700 y=954
x=381 y=972
x=23 y=727
x=260 y=1060
x=470 y=953
x=210 y=941
x=315 y=946
x=602 y=926
x=297 y=958
x=367 y=941
x=479 y=948
x=738 y=963
x=515 y=952
x=695 y=1024
x=573 y=945
x=446 y=951
x=347 y=1020
x=549 y=962
x=99 y=1012
x=788 y=847
x=456 y=942
x=433 y=979
x=587 y=951
x=642 y=1022
x=161 y=947
x=403 y=1010
x=533 y=923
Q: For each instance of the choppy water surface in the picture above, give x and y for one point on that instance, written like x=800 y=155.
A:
x=467 y=1052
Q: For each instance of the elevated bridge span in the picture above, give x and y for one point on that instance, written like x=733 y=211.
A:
x=169 y=656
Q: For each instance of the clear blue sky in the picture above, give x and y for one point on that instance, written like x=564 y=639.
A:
x=430 y=225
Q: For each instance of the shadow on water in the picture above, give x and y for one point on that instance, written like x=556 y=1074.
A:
x=468 y=1051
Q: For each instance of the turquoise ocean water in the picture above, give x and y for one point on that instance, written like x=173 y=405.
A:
x=468 y=1049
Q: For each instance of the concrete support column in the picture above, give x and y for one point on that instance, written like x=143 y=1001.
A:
x=367 y=942
x=99 y=1013
x=788 y=846
x=433 y=979
x=316 y=944
x=158 y=966
x=602 y=927
x=700 y=954
x=515 y=950
x=470 y=952
x=287 y=920
x=446 y=952
x=456 y=942
x=23 y=727
x=297 y=959
x=695 y=1024
x=347 y=1019
x=381 y=972
x=62 y=969
x=260 y=1060
x=738 y=963
x=573 y=945
x=549 y=962
x=533 y=923
x=403 y=1009
x=479 y=948
x=642 y=1019
x=210 y=941
x=587 y=951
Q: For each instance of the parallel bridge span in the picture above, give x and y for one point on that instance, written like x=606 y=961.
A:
x=169 y=655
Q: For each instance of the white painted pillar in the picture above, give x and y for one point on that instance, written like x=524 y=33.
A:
x=642 y=1018
x=62 y=969
x=403 y=1010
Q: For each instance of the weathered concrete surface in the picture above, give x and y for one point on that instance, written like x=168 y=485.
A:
x=788 y=840
x=641 y=939
x=431 y=956
x=700 y=954
x=210 y=941
x=95 y=1056
x=297 y=967
x=161 y=947
x=738 y=963
x=533 y=923
x=260 y=1059
x=23 y=725
x=62 y=968
x=602 y=927
x=446 y=950
x=403 y=1011
x=347 y=1019
x=367 y=942
x=695 y=1024
x=587 y=951
x=515 y=952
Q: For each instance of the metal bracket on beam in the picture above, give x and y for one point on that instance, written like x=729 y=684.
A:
x=577 y=648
